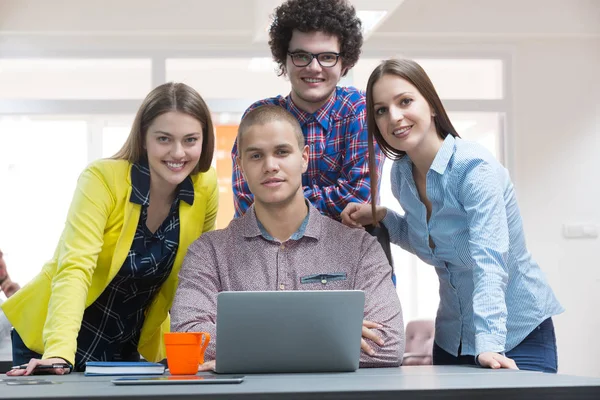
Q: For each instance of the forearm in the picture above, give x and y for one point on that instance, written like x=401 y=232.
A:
x=489 y=306
x=201 y=323
x=382 y=306
x=490 y=324
x=390 y=354
x=482 y=196
x=65 y=314
x=81 y=243
x=188 y=316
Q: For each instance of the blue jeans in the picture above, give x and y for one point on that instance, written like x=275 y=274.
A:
x=20 y=353
x=537 y=352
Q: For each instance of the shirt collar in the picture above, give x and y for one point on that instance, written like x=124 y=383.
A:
x=310 y=227
x=322 y=115
x=440 y=161
x=140 y=185
x=444 y=154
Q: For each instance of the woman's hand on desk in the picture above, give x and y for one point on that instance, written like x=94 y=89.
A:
x=367 y=333
x=48 y=366
x=495 y=361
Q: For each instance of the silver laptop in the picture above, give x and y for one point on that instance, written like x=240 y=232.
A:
x=289 y=331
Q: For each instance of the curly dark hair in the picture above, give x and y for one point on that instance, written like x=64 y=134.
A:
x=334 y=17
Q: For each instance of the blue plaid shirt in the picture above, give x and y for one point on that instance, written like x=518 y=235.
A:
x=492 y=292
x=111 y=325
x=338 y=166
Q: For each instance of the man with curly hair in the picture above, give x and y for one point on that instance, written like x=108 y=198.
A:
x=316 y=43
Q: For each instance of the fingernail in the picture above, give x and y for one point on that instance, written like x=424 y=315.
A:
x=380 y=342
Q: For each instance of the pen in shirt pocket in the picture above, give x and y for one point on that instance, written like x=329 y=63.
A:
x=44 y=366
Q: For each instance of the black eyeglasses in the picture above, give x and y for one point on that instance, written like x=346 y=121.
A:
x=327 y=59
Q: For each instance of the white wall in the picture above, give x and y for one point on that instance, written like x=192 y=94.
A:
x=557 y=149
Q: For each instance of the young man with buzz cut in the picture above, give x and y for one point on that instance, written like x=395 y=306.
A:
x=315 y=43
x=283 y=238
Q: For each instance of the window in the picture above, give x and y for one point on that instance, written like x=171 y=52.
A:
x=454 y=79
x=114 y=135
x=40 y=160
x=250 y=79
x=39 y=78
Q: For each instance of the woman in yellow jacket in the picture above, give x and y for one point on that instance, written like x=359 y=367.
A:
x=106 y=293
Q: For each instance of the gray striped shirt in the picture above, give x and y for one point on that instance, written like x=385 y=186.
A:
x=240 y=258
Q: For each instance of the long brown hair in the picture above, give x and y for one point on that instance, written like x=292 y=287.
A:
x=412 y=72
x=164 y=98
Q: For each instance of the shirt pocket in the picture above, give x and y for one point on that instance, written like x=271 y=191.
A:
x=325 y=280
x=330 y=167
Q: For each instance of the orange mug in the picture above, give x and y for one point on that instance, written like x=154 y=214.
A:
x=185 y=351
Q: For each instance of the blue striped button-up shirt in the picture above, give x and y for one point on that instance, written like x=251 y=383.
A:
x=492 y=293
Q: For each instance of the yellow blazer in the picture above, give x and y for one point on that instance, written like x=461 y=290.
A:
x=97 y=237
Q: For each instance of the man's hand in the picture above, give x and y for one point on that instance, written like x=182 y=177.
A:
x=367 y=333
x=9 y=287
x=35 y=362
x=207 y=366
x=6 y=284
x=495 y=361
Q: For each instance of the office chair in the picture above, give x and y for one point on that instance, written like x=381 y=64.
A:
x=419 y=343
x=383 y=237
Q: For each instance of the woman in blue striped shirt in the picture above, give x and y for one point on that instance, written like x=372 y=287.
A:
x=461 y=216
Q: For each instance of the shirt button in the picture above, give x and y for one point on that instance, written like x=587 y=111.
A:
x=281 y=286
x=282 y=247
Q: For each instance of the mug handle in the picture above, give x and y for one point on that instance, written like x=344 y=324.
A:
x=206 y=340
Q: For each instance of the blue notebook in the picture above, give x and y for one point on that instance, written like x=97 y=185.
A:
x=96 y=368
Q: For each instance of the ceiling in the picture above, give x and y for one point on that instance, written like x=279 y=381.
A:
x=242 y=23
